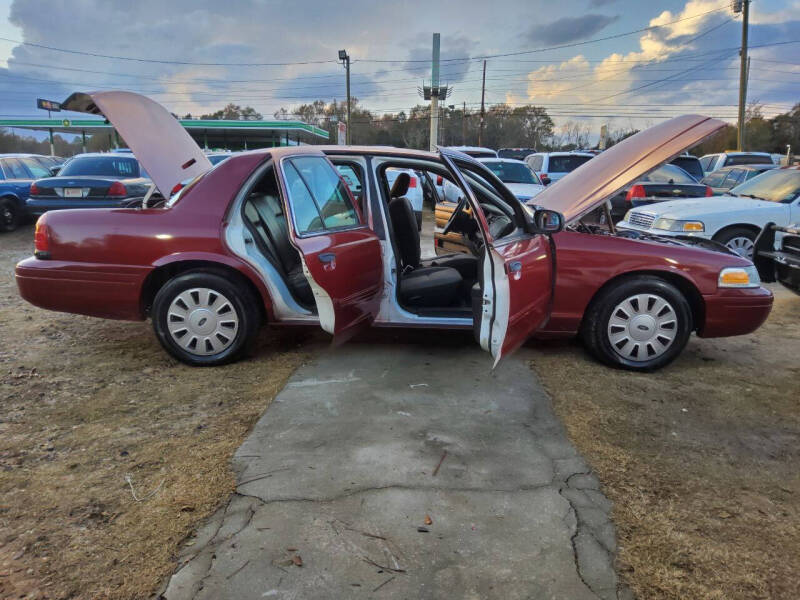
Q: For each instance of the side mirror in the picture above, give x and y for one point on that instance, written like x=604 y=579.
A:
x=545 y=180
x=54 y=170
x=544 y=221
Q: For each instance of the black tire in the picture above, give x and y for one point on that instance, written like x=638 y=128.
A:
x=737 y=233
x=240 y=301
x=10 y=214
x=597 y=329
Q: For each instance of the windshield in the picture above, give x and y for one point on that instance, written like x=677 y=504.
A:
x=780 y=185
x=509 y=172
x=566 y=164
x=108 y=166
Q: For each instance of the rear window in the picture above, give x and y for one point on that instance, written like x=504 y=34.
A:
x=14 y=169
x=690 y=164
x=669 y=174
x=565 y=164
x=706 y=161
x=104 y=166
x=509 y=172
x=748 y=159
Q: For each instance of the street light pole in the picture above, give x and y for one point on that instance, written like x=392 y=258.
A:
x=345 y=58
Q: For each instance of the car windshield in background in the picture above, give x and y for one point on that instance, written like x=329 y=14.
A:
x=565 y=164
x=780 y=185
x=110 y=166
x=512 y=172
x=669 y=174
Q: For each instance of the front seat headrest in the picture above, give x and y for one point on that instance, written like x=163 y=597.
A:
x=400 y=186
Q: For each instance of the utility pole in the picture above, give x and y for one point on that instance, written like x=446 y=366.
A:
x=435 y=93
x=742 y=6
x=464 y=125
x=483 y=111
x=345 y=58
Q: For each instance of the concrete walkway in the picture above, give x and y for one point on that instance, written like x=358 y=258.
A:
x=401 y=471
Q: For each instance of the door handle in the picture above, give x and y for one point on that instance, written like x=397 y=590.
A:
x=328 y=260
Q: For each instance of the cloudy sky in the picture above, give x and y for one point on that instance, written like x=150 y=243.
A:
x=625 y=62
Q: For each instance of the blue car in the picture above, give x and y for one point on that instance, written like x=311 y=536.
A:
x=17 y=172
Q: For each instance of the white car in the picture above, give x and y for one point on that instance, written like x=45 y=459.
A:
x=517 y=176
x=712 y=162
x=734 y=219
x=552 y=166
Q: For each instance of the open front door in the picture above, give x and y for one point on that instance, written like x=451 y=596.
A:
x=341 y=256
x=517 y=269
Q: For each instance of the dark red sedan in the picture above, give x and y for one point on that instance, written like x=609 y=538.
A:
x=276 y=236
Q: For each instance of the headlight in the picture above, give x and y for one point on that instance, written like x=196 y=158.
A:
x=674 y=225
x=627 y=216
x=739 y=277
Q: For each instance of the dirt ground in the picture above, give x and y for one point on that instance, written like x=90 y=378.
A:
x=85 y=403
x=700 y=459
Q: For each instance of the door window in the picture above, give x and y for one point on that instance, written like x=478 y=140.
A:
x=37 y=170
x=319 y=198
x=706 y=161
x=734 y=177
x=15 y=170
x=536 y=163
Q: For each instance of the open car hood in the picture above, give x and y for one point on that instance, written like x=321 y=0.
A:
x=158 y=140
x=601 y=178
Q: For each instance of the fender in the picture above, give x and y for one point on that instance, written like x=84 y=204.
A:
x=229 y=261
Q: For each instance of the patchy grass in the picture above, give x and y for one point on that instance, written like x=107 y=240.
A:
x=85 y=403
x=700 y=459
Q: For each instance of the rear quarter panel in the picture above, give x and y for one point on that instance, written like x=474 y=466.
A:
x=586 y=262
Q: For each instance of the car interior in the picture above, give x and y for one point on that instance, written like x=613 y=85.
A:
x=446 y=284
x=266 y=220
x=439 y=286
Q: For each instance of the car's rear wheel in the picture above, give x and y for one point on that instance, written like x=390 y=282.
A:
x=204 y=319
x=641 y=324
x=739 y=239
x=10 y=214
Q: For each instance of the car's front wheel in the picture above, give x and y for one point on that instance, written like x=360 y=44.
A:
x=204 y=319
x=641 y=324
x=10 y=214
x=739 y=239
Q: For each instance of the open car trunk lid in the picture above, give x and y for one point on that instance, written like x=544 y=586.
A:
x=164 y=148
x=601 y=178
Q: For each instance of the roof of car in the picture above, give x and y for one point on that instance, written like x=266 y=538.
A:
x=732 y=153
x=755 y=167
x=568 y=153
x=486 y=159
x=105 y=155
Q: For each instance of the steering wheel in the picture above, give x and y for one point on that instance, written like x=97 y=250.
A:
x=462 y=202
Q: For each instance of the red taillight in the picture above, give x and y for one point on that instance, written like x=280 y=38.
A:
x=439 y=180
x=117 y=189
x=637 y=191
x=412 y=182
x=41 y=238
x=178 y=187
x=709 y=191
x=542 y=175
x=34 y=190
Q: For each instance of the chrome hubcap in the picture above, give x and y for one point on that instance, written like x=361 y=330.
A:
x=642 y=327
x=202 y=321
x=743 y=246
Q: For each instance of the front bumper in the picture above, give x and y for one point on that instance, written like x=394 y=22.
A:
x=37 y=207
x=735 y=311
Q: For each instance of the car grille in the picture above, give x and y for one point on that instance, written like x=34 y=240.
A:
x=641 y=219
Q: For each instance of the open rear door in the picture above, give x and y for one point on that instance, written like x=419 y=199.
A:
x=341 y=255
x=516 y=278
